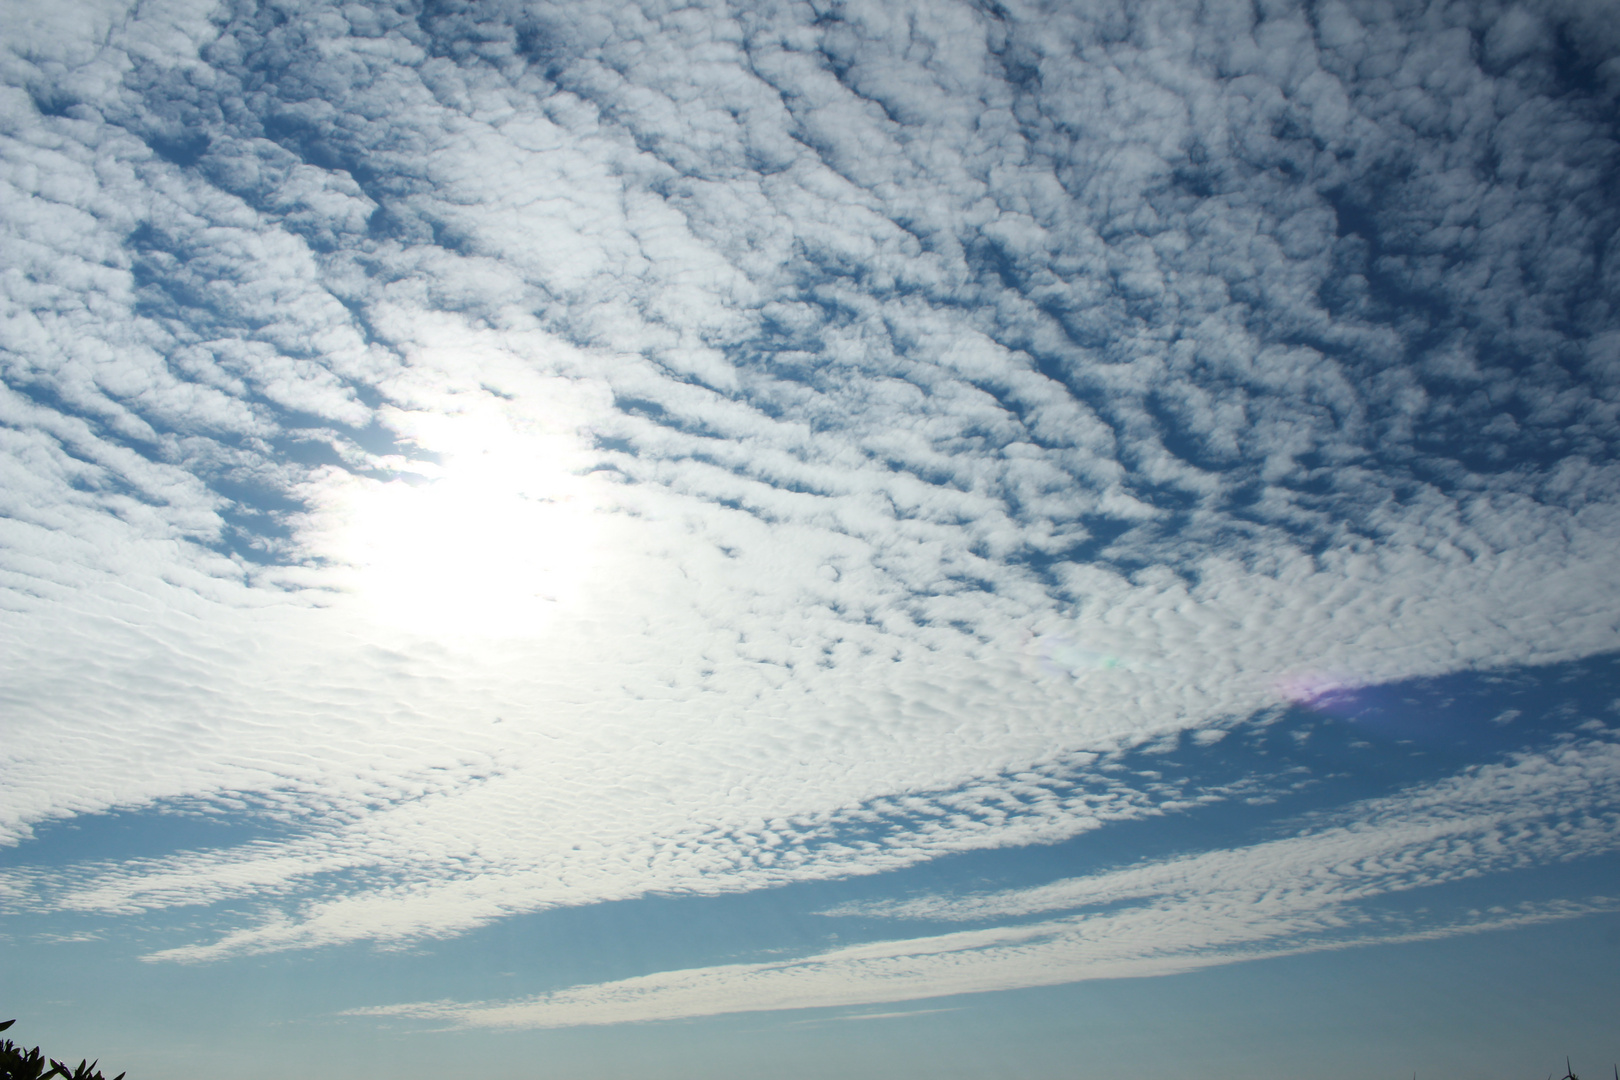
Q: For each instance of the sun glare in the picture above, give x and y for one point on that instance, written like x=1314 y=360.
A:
x=494 y=540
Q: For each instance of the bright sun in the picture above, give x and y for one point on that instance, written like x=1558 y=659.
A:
x=494 y=540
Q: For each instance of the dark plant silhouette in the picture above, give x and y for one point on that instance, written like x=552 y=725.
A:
x=1569 y=1072
x=18 y=1064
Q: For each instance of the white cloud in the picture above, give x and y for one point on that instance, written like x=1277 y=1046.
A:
x=1533 y=810
x=901 y=365
x=1316 y=890
x=975 y=961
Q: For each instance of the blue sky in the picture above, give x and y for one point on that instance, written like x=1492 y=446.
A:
x=937 y=539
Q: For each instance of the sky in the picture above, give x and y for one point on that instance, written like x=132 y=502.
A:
x=867 y=539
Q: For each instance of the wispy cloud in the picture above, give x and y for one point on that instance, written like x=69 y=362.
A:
x=1535 y=810
x=1312 y=891
x=971 y=962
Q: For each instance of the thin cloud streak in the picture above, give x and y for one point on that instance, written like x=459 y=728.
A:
x=1317 y=890
x=974 y=962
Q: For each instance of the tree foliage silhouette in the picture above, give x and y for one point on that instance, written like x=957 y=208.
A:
x=19 y=1064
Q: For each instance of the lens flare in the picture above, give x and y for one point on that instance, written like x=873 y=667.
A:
x=1055 y=654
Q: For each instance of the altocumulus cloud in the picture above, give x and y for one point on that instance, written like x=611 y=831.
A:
x=1306 y=892
x=820 y=435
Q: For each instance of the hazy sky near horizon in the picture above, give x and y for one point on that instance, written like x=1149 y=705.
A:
x=885 y=507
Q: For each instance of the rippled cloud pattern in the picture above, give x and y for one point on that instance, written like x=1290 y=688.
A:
x=469 y=461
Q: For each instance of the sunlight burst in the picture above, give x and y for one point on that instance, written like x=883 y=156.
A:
x=492 y=541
